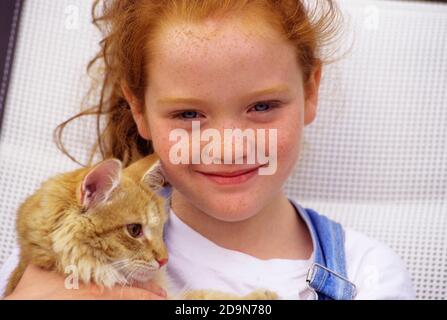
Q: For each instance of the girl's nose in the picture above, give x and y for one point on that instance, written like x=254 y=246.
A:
x=162 y=262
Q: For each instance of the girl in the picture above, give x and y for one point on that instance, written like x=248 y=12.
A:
x=234 y=64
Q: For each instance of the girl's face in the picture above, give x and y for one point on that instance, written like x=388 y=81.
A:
x=217 y=72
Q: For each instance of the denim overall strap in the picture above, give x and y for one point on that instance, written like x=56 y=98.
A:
x=327 y=275
x=165 y=192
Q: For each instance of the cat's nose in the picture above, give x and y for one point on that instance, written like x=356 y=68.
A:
x=162 y=262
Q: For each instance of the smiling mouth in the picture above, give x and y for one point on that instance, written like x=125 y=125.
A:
x=230 y=173
x=231 y=177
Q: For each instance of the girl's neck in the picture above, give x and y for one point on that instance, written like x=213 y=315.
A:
x=277 y=231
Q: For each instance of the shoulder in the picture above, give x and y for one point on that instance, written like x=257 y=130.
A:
x=376 y=270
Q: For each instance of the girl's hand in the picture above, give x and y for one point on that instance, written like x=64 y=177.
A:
x=37 y=283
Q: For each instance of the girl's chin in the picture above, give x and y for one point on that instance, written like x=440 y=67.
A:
x=231 y=216
x=231 y=209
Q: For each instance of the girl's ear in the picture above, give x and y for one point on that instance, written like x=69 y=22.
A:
x=155 y=179
x=99 y=183
x=311 y=94
x=137 y=110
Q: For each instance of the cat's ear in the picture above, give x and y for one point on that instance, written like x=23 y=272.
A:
x=99 y=182
x=155 y=179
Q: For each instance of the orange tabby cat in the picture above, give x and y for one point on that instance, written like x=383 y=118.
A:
x=106 y=224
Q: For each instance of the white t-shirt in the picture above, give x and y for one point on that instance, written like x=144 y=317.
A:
x=198 y=263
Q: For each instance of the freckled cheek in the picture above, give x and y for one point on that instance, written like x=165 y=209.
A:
x=160 y=138
x=174 y=172
x=288 y=144
x=289 y=132
x=162 y=147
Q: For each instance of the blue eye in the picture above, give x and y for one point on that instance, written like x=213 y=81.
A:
x=264 y=106
x=187 y=115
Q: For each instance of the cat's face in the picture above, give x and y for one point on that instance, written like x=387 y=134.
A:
x=117 y=237
x=131 y=227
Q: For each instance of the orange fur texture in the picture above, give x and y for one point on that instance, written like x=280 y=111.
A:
x=68 y=226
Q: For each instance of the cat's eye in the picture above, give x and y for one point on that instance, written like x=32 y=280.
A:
x=135 y=230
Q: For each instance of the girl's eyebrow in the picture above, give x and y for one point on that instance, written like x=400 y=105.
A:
x=282 y=88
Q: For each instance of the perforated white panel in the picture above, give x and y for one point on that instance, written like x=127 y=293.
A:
x=375 y=157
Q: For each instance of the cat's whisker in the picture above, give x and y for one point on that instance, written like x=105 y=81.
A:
x=120 y=267
x=138 y=271
x=130 y=277
x=115 y=276
x=124 y=269
x=119 y=262
x=146 y=266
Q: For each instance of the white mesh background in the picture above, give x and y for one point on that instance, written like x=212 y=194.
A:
x=375 y=158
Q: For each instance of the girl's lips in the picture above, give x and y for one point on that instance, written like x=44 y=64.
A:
x=230 y=177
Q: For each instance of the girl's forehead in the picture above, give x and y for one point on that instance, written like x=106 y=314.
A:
x=210 y=28
x=215 y=37
x=184 y=61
